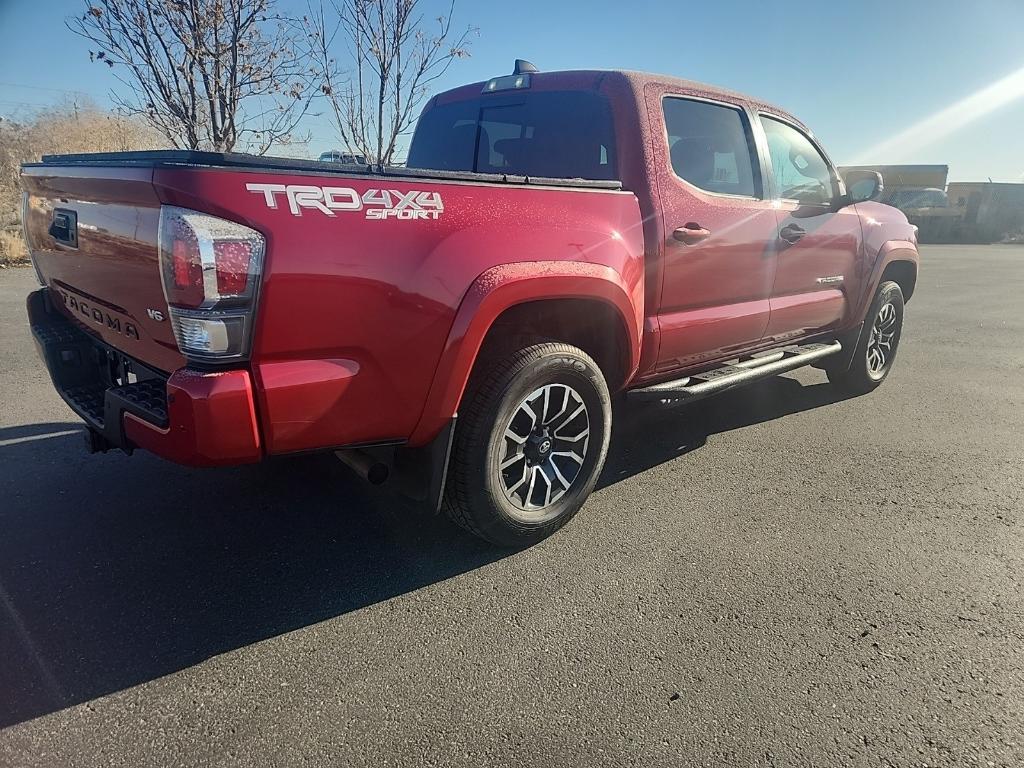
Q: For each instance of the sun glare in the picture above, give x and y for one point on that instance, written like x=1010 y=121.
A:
x=948 y=120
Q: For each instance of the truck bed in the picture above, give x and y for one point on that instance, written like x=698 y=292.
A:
x=356 y=304
x=167 y=158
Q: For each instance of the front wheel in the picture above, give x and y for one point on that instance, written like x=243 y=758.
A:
x=878 y=343
x=530 y=442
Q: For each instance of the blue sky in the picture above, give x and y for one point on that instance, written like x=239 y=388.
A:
x=859 y=73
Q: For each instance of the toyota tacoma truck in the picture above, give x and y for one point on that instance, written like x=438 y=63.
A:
x=459 y=326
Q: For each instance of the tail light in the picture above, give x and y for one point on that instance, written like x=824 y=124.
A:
x=211 y=270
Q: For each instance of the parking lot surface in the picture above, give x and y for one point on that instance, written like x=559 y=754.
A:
x=775 y=577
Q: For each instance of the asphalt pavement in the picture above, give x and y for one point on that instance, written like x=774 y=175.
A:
x=775 y=577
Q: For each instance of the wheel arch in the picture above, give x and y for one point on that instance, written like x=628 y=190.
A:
x=896 y=260
x=534 y=297
x=593 y=325
x=903 y=272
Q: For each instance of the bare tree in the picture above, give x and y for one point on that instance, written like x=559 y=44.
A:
x=208 y=74
x=376 y=61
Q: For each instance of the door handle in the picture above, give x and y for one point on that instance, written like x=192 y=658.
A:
x=691 y=233
x=64 y=227
x=791 y=233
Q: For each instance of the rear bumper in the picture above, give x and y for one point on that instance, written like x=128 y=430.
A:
x=191 y=417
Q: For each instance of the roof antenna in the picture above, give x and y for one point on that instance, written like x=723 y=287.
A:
x=523 y=67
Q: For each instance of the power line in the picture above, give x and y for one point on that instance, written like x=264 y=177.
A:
x=44 y=88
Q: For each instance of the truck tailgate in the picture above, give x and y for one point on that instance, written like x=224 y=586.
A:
x=93 y=234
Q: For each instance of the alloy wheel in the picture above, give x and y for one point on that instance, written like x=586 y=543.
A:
x=544 y=446
x=880 y=344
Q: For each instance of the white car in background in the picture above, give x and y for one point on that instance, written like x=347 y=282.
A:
x=348 y=158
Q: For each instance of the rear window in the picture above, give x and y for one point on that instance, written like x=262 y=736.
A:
x=558 y=134
x=711 y=147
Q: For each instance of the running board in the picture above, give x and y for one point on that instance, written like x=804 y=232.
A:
x=746 y=370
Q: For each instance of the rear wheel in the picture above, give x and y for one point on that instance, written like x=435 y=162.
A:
x=878 y=343
x=530 y=442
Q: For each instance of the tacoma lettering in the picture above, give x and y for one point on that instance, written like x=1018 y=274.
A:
x=99 y=316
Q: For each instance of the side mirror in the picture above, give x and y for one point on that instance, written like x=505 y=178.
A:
x=862 y=186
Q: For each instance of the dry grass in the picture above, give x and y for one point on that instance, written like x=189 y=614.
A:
x=12 y=249
x=69 y=127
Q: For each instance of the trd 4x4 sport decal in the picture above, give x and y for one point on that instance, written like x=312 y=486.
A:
x=379 y=204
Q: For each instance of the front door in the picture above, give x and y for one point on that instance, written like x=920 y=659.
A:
x=816 y=282
x=719 y=248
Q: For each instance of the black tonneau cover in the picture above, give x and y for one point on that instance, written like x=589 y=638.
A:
x=189 y=158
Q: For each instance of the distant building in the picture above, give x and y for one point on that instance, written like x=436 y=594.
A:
x=977 y=212
x=918 y=191
x=991 y=211
x=897 y=177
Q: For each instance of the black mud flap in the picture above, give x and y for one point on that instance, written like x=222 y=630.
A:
x=844 y=359
x=420 y=473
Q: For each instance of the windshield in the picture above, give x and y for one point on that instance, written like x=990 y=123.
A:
x=563 y=135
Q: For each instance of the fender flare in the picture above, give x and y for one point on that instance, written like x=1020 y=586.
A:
x=506 y=286
x=891 y=251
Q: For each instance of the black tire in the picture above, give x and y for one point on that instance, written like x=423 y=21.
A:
x=476 y=495
x=866 y=370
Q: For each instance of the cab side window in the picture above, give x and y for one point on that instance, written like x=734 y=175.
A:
x=711 y=147
x=798 y=168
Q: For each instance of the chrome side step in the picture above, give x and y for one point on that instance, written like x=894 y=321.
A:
x=744 y=371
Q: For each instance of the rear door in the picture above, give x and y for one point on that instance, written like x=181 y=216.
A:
x=719 y=229
x=816 y=280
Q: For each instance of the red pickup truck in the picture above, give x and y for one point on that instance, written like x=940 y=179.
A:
x=460 y=325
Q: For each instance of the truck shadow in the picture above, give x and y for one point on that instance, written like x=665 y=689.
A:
x=115 y=571
x=647 y=435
